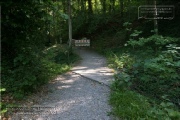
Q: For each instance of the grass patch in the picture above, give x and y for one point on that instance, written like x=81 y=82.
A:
x=129 y=105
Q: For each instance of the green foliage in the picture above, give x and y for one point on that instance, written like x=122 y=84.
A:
x=29 y=73
x=121 y=61
x=135 y=33
x=30 y=25
x=159 y=75
x=129 y=105
x=26 y=28
x=153 y=75
x=2 y=106
x=127 y=24
x=57 y=60
x=162 y=73
x=25 y=75
x=156 y=76
x=154 y=41
x=164 y=111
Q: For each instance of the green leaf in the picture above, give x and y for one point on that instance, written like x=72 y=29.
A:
x=65 y=16
x=2 y=89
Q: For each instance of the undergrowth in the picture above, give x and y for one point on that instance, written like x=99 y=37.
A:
x=147 y=79
x=32 y=73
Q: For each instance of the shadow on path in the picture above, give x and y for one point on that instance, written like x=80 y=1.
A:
x=74 y=97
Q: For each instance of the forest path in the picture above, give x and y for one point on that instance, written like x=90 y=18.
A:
x=82 y=93
x=93 y=66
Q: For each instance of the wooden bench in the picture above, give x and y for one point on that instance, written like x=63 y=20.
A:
x=82 y=42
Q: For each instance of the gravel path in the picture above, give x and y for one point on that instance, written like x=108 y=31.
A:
x=93 y=66
x=81 y=94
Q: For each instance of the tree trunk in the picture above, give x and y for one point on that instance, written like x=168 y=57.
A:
x=121 y=7
x=54 y=27
x=64 y=3
x=95 y=5
x=83 y=5
x=112 y=5
x=155 y=20
x=103 y=2
x=70 y=24
x=90 y=7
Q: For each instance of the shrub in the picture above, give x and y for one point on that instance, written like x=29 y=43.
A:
x=154 y=75
x=31 y=70
x=25 y=76
x=156 y=42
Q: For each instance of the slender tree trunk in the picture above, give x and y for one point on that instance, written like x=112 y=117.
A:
x=110 y=6
x=83 y=5
x=64 y=3
x=54 y=27
x=113 y=5
x=95 y=5
x=90 y=7
x=155 y=20
x=78 y=4
x=103 y=2
x=121 y=7
x=70 y=24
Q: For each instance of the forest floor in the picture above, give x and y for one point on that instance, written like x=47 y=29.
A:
x=80 y=94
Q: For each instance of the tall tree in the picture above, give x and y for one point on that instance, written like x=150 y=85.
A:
x=121 y=7
x=103 y=3
x=90 y=10
x=83 y=5
x=111 y=5
x=95 y=4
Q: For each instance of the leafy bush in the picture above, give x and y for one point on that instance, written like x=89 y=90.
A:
x=159 y=75
x=24 y=36
x=156 y=42
x=25 y=76
x=31 y=71
x=153 y=75
x=121 y=61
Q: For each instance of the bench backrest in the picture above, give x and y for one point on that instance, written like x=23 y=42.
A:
x=83 y=42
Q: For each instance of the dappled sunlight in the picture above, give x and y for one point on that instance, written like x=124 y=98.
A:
x=101 y=70
x=101 y=74
x=93 y=66
x=76 y=94
x=67 y=81
x=82 y=101
x=62 y=87
x=51 y=47
x=79 y=68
